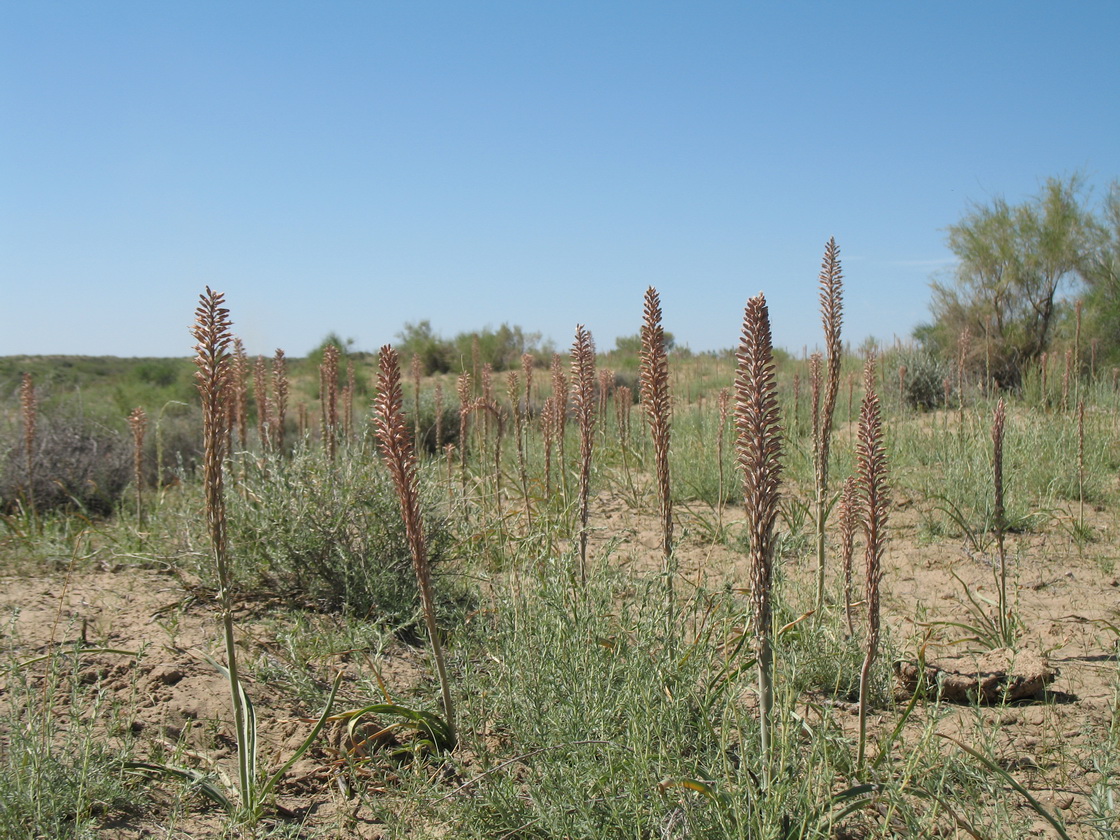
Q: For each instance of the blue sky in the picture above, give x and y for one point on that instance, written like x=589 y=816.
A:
x=354 y=166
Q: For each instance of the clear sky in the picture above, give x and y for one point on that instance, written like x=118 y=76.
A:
x=351 y=166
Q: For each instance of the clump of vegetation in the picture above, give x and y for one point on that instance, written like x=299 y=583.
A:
x=71 y=463
x=502 y=348
x=926 y=374
x=64 y=747
x=334 y=535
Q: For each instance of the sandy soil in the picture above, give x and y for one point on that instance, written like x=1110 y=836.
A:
x=1065 y=599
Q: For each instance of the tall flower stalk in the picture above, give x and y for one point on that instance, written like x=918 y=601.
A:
x=328 y=398
x=724 y=410
x=213 y=378
x=653 y=376
x=560 y=417
x=29 y=408
x=1003 y=620
x=513 y=386
x=238 y=378
x=759 y=445
x=1081 y=465
x=215 y=387
x=583 y=400
x=260 y=385
x=832 y=307
x=463 y=388
x=280 y=393
x=417 y=367
x=138 y=423
x=400 y=457
x=871 y=467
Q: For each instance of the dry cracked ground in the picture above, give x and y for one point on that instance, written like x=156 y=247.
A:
x=1067 y=598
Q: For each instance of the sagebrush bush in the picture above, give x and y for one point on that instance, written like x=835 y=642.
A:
x=77 y=464
x=332 y=532
x=925 y=379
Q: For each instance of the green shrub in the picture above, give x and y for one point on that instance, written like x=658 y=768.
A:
x=330 y=531
x=77 y=464
x=925 y=379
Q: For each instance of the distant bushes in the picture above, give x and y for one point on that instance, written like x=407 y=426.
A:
x=501 y=348
x=76 y=463
x=84 y=463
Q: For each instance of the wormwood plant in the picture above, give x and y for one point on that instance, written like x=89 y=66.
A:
x=332 y=534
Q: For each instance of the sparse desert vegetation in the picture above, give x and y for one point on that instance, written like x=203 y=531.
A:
x=853 y=595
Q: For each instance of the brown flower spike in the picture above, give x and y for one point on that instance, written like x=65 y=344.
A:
x=138 y=423
x=212 y=332
x=280 y=391
x=654 y=379
x=396 y=447
x=583 y=401
x=759 y=447
x=832 y=310
x=29 y=409
x=871 y=466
